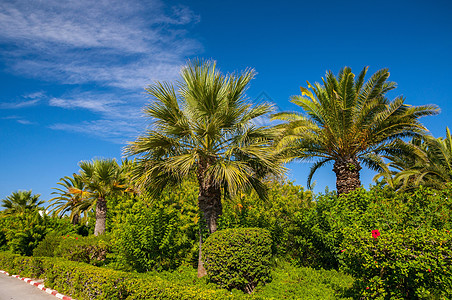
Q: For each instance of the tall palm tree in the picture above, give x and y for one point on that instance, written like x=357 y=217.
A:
x=72 y=197
x=103 y=178
x=349 y=122
x=20 y=202
x=208 y=129
x=429 y=163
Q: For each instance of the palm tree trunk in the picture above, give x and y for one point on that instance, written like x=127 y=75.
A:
x=347 y=175
x=101 y=216
x=75 y=219
x=209 y=203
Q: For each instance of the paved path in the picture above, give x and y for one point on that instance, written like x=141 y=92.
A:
x=14 y=289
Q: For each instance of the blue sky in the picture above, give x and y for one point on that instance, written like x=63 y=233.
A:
x=73 y=73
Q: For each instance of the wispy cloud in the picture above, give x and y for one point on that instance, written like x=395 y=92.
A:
x=116 y=46
x=18 y=119
x=120 y=115
x=117 y=131
x=26 y=100
x=116 y=43
x=17 y=105
x=86 y=101
x=24 y=122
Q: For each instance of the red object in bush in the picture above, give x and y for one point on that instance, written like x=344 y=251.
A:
x=375 y=233
x=429 y=270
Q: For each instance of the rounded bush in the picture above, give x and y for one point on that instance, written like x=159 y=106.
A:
x=238 y=258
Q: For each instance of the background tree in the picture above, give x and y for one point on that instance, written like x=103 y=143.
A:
x=349 y=122
x=206 y=128
x=21 y=201
x=103 y=178
x=73 y=197
x=427 y=162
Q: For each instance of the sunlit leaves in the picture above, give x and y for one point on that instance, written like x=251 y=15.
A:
x=346 y=117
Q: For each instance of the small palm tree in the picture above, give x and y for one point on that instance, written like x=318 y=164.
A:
x=73 y=197
x=20 y=202
x=103 y=178
x=428 y=163
x=207 y=129
x=349 y=122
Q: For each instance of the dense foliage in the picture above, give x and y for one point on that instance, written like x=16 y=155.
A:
x=24 y=231
x=238 y=258
x=164 y=228
x=285 y=200
x=153 y=238
x=394 y=244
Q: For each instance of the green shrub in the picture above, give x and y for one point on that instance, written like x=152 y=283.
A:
x=84 y=281
x=48 y=245
x=91 y=249
x=409 y=264
x=275 y=214
x=26 y=266
x=238 y=258
x=25 y=231
x=290 y=282
x=396 y=264
x=154 y=237
x=317 y=233
x=314 y=235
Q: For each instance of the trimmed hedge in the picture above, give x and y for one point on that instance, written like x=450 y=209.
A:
x=238 y=258
x=84 y=281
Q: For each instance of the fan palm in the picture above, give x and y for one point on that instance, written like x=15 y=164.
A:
x=73 y=197
x=20 y=202
x=430 y=164
x=103 y=178
x=206 y=128
x=349 y=122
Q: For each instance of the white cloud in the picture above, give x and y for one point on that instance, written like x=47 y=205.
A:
x=121 y=116
x=115 y=43
x=35 y=95
x=95 y=105
x=24 y=122
x=20 y=104
x=116 y=131
x=18 y=119
x=111 y=48
x=27 y=100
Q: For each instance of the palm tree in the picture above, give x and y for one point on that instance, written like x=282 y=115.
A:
x=73 y=197
x=349 y=122
x=205 y=128
x=103 y=178
x=20 y=202
x=429 y=163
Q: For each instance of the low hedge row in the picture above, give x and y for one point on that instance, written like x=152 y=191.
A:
x=84 y=281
